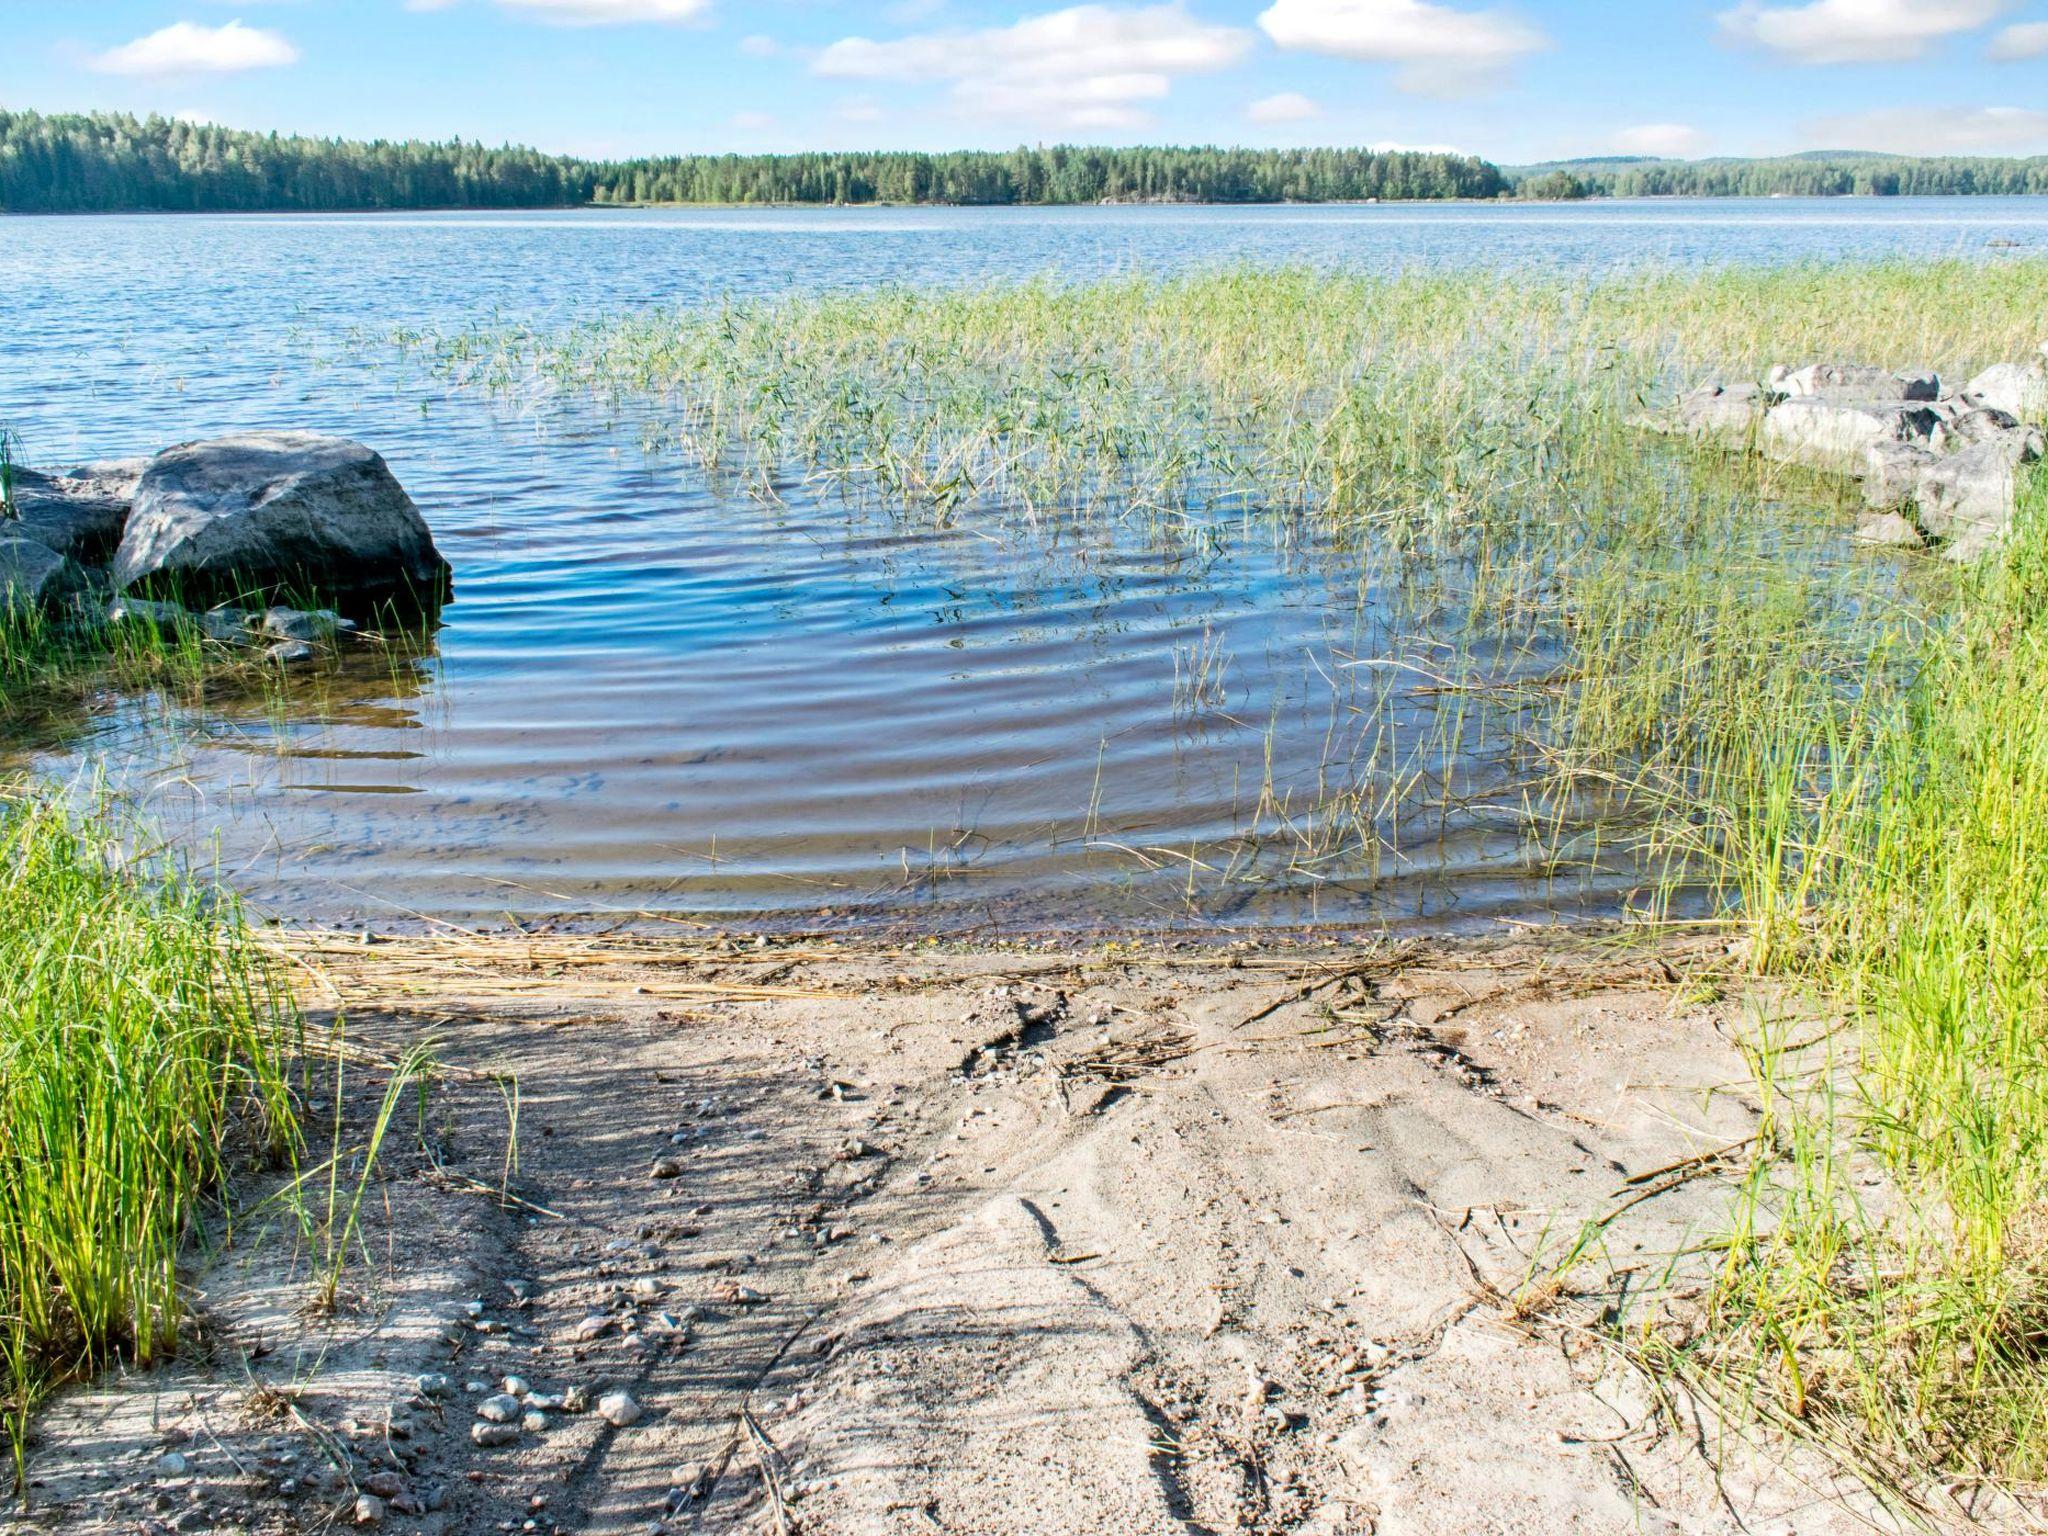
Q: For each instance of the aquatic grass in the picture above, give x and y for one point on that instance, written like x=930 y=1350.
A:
x=143 y=1046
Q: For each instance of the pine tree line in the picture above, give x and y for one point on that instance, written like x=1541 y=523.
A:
x=1823 y=176
x=108 y=161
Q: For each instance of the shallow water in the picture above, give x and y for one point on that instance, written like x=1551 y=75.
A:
x=654 y=694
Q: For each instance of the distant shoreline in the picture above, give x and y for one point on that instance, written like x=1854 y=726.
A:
x=881 y=206
x=116 y=163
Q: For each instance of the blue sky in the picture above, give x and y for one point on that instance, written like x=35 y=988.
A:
x=1521 y=80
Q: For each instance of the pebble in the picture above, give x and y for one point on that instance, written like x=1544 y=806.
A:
x=618 y=1409
x=386 y=1485
x=591 y=1329
x=535 y=1423
x=171 y=1464
x=515 y=1386
x=492 y=1435
x=666 y=1168
x=501 y=1409
x=369 y=1510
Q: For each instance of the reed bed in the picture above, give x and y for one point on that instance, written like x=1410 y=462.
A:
x=1669 y=661
x=143 y=1048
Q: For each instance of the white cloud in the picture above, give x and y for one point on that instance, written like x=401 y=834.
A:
x=1287 y=107
x=1934 y=130
x=1856 y=31
x=1667 y=141
x=1441 y=51
x=752 y=122
x=760 y=46
x=1088 y=67
x=2028 y=40
x=860 y=109
x=609 y=13
x=186 y=48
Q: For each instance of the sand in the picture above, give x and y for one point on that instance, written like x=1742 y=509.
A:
x=927 y=1239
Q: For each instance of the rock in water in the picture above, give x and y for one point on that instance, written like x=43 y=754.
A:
x=32 y=575
x=1891 y=476
x=1837 y=436
x=76 y=516
x=276 y=512
x=1967 y=498
x=1888 y=530
x=1853 y=383
x=2019 y=389
x=1720 y=409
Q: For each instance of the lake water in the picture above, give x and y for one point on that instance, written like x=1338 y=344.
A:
x=651 y=697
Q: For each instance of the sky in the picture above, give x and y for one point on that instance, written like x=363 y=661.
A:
x=1520 y=81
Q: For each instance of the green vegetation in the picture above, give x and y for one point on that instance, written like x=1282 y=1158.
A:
x=108 y=162
x=1061 y=174
x=143 y=1040
x=1553 y=187
x=1671 y=663
x=1910 y=1323
x=111 y=162
x=50 y=662
x=1809 y=175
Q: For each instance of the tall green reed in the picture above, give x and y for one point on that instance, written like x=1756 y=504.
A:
x=143 y=1048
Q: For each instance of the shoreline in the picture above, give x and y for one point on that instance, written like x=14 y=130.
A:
x=1506 y=201
x=1115 y=1246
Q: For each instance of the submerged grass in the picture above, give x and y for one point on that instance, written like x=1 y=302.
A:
x=142 y=1040
x=1670 y=654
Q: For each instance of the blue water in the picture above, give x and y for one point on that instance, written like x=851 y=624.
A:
x=649 y=695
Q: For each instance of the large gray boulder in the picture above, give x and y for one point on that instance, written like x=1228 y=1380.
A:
x=1853 y=382
x=285 y=513
x=2018 y=389
x=1838 y=436
x=1723 y=410
x=33 y=576
x=1891 y=475
x=1966 y=498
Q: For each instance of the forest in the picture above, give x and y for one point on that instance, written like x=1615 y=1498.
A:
x=110 y=162
x=1814 y=175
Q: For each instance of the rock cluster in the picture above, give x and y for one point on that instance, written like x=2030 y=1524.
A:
x=1936 y=465
x=214 y=535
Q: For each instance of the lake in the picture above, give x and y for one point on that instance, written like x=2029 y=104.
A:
x=654 y=695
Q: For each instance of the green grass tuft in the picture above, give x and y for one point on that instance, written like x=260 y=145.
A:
x=143 y=1043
